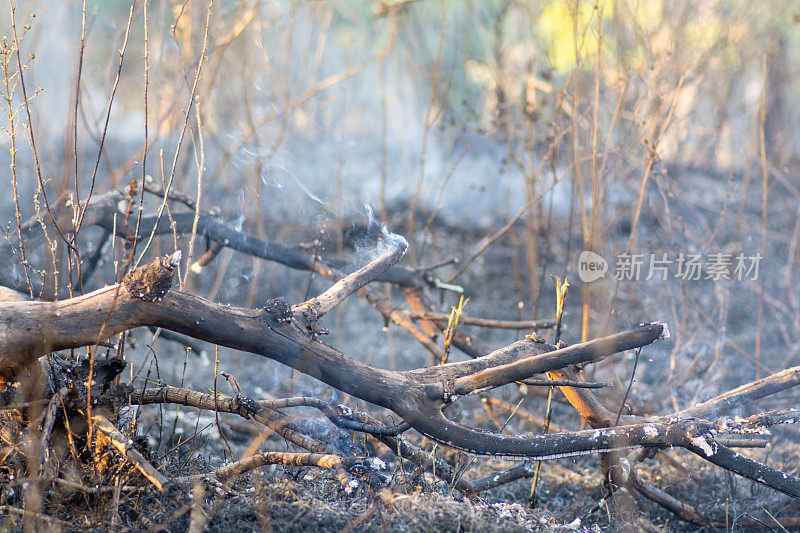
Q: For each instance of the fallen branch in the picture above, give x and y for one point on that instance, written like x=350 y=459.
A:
x=49 y=420
x=412 y=395
x=735 y=462
x=680 y=509
x=419 y=396
x=485 y=322
x=125 y=447
x=592 y=351
x=102 y=211
x=691 y=514
x=242 y=406
x=242 y=466
x=745 y=394
x=325 y=302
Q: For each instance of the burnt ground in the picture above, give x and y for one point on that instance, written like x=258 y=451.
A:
x=713 y=326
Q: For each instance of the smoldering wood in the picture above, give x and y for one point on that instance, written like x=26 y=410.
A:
x=418 y=397
x=104 y=215
x=344 y=287
x=102 y=211
x=79 y=321
x=428 y=391
x=391 y=313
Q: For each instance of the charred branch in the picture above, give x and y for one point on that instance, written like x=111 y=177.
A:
x=586 y=352
x=338 y=293
x=486 y=322
x=745 y=394
x=420 y=397
x=416 y=397
x=124 y=445
x=247 y=464
x=102 y=211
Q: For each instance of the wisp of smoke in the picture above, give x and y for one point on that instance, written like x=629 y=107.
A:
x=390 y=240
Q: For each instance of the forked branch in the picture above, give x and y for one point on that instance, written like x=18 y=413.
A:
x=419 y=397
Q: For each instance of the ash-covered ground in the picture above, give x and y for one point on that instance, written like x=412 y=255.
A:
x=711 y=349
x=713 y=322
x=419 y=134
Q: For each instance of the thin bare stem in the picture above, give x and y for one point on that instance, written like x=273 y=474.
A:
x=105 y=125
x=764 y=189
x=429 y=118
x=189 y=105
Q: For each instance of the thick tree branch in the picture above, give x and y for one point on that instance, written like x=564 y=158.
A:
x=342 y=289
x=591 y=351
x=29 y=329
